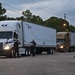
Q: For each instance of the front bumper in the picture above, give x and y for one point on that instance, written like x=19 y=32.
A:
x=5 y=52
x=60 y=49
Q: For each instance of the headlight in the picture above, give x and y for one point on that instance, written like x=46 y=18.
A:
x=61 y=46
x=6 y=48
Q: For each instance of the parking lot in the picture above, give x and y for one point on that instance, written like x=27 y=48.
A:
x=54 y=64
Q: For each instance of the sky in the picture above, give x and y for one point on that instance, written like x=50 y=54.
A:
x=43 y=8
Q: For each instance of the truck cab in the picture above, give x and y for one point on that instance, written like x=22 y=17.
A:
x=7 y=36
x=63 y=41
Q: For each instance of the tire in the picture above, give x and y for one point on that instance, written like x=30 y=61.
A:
x=50 y=51
x=38 y=52
x=11 y=55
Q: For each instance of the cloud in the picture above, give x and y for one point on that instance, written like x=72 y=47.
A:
x=43 y=8
x=14 y=14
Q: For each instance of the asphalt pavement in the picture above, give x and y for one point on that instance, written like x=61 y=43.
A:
x=53 y=64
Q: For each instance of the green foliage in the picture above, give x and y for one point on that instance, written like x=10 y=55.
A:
x=53 y=22
x=36 y=19
x=56 y=23
x=27 y=14
x=2 y=18
x=31 y=18
x=2 y=10
x=71 y=28
x=11 y=18
x=20 y=18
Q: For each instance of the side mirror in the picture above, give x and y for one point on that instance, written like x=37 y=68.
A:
x=15 y=35
x=7 y=39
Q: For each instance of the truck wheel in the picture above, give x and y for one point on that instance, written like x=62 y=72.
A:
x=51 y=51
x=48 y=51
x=11 y=54
x=38 y=52
x=71 y=50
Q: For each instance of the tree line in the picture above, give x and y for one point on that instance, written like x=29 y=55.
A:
x=57 y=23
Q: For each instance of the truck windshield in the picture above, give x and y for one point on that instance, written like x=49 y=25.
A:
x=6 y=35
x=60 y=40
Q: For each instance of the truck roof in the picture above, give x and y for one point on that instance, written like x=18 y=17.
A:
x=61 y=34
x=8 y=25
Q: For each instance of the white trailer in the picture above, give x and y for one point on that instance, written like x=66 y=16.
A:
x=44 y=37
x=72 y=38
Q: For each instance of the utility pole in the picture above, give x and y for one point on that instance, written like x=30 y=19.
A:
x=64 y=24
x=64 y=16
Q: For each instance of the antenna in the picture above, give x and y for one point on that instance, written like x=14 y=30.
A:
x=64 y=16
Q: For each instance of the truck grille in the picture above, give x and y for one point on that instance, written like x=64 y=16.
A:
x=1 y=45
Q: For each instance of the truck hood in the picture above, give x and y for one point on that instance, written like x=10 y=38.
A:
x=5 y=40
x=61 y=43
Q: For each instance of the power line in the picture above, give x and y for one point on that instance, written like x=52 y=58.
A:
x=12 y=7
x=37 y=5
x=33 y=3
x=48 y=9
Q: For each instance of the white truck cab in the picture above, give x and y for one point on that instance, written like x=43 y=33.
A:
x=7 y=36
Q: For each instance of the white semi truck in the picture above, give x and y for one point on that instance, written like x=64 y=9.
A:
x=25 y=32
x=65 y=41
